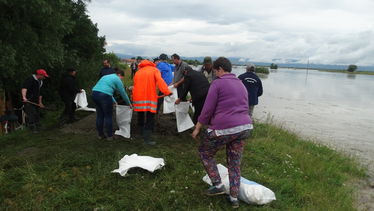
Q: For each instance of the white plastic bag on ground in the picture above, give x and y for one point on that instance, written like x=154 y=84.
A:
x=169 y=101
x=81 y=102
x=86 y=109
x=249 y=192
x=148 y=163
x=123 y=117
x=184 y=121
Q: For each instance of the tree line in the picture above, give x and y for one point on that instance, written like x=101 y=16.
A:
x=53 y=35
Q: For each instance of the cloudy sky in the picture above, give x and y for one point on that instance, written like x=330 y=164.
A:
x=326 y=31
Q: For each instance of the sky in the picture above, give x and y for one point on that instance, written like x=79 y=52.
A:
x=325 y=31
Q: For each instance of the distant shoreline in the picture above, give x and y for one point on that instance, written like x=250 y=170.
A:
x=324 y=70
x=345 y=71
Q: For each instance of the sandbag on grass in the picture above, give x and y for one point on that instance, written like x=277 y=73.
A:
x=249 y=192
x=148 y=163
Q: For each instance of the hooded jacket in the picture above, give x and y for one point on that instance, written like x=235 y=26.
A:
x=144 y=94
x=166 y=72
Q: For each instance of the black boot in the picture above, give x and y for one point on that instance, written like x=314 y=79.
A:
x=147 y=137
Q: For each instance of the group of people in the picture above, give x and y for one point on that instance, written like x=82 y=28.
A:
x=223 y=105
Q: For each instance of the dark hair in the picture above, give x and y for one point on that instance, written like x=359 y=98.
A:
x=163 y=56
x=119 y=72
x=175 y=56
x=222 y=62
x=70 y=70
x=107 y=60
x=188 y=69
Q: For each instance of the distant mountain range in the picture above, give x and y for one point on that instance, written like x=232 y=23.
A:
x=290 y=64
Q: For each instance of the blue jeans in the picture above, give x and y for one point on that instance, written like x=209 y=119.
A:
x=104 y=110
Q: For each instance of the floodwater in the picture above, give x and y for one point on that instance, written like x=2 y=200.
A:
x=336 y=109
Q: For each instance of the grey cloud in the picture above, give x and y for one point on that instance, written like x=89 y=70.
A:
x=262 y=30
x=204 y=43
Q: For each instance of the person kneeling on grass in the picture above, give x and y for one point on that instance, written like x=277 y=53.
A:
x=102 y=95
x=226 y=112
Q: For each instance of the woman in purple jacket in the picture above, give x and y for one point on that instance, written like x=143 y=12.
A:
x=226 y=113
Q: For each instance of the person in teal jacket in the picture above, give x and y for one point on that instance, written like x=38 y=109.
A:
x=102 y=95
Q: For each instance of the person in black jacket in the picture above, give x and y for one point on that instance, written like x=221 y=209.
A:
x=68 y=90
x=107 y=69
x=198 y=85
x=254 y=86
x=32 y=98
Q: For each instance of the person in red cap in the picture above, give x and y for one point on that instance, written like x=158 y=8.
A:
x=32 y=98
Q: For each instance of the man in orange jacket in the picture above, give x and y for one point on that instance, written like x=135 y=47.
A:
x=144 y=95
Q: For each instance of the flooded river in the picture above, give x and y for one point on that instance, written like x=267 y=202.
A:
x=336 y=109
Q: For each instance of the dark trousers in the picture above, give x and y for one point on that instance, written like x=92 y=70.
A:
x=133 y=73
x=146 y=120
x=180 y=90
x=32 y=115
x=69 y=111
x=198 y=105
x=160 y=101
x=104 y=111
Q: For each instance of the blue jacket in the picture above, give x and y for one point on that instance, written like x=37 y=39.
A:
x=166 y=72
x=254 y=86
x=110 y=83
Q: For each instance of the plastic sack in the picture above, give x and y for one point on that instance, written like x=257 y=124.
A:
x=123 y=118
x=81 y=102
x=148 y=163
x=184 y=121
x=249 y=192
x=86 y=109
x=169 y=101
x=81 y=99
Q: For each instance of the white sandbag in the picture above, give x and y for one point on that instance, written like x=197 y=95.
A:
x=86 y=109
x=81 y=102
x=169 y=101
x=123 y=118
x=249 y=192
x=184 y=121
x=81 y=99
x=148 y=163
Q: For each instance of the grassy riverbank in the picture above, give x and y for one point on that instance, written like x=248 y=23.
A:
x=53 y=170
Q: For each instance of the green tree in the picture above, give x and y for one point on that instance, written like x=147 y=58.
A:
x=352 y=68
x=53 y=35
x=264 y=70
x=273 y=66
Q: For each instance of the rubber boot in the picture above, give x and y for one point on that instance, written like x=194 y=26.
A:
x=147 y=137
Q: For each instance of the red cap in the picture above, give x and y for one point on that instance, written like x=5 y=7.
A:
x=42 y=72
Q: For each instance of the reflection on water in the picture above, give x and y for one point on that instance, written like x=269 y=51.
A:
x=327 y=106
x=351 y=76
x=335 y=88
x=262 y=75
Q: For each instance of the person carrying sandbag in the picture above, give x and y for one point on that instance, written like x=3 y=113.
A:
x=226 y=112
